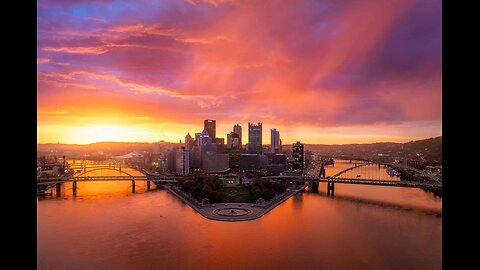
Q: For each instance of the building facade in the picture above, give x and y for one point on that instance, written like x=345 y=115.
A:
x=211 y=127
x=172 y=160
x=204 y=138
x=238 y=130
x=182 y=161
x=252 y=162
x=274 y=140
x=254 y=137
x=233 y=141
x=215 y=163
x=189 y=142
x=298 y=155
x=197 y=138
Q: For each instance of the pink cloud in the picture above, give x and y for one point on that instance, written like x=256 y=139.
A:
x=311 y=63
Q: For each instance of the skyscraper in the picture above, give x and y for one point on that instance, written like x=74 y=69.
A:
x=197 y=137
x=233 y=141
x=210 y=126
x=229 y=140
x=274 y=140
x=182 y=163
x=189 y=142
x=204 y=138
x=238 y=129
x=298 y=155
x=254 y=137
x=172 y=160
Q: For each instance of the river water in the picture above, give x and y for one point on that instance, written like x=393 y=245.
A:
x=105 y=226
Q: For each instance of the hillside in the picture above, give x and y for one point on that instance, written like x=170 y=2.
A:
x=100 y=149
x=429 y=149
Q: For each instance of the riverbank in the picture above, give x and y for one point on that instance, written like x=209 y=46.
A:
x=233 y=212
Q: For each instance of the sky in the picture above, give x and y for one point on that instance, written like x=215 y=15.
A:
x=319 y=71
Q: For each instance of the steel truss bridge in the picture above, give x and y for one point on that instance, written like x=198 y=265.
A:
x=44 y=183
x=359 y=174
x=368 y=173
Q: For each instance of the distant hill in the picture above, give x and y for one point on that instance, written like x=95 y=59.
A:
x=429 y=149
x=99 y=149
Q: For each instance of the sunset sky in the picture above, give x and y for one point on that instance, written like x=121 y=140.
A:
x=320 y=71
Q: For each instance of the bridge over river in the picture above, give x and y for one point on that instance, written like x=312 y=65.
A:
x=359 y=174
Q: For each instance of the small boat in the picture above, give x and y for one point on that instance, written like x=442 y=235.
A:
x=358 y=175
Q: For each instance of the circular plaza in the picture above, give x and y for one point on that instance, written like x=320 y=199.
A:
x=232 y=212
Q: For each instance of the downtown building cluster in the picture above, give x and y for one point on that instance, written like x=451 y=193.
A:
x=205 y=152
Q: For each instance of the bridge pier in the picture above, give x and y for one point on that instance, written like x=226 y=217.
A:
x=148 y=185
x=133 y=185
x=58 y=189
x=74 y=187
x=313 y=186
x=330 y=188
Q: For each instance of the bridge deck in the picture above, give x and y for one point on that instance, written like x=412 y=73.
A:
x=47 y=181
x=166 y=179
x=359 y=181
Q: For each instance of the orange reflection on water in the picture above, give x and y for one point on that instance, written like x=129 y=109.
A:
x=156 y=230
x=110 y=188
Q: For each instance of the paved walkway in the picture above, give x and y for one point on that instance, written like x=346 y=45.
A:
x=232 y=211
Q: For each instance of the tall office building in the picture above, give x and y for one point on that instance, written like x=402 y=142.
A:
x=298 y=155
x=274 y=140
x=172 y=160
x=233 y=141
x=254 y=137
x=210 y=126
x=183 y=161
x=197 y=137
x=236 y=141
x=189 y=142
x=204 y=138
x=229 y=140
x=238 y=129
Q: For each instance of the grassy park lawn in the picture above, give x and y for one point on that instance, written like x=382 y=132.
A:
x=238 y=194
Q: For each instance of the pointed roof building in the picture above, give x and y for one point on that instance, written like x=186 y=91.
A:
x=204 y=138
x=189 y=142
x=205 y=133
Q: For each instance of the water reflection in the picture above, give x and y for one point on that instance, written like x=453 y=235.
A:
x=297 y=200
x=361 y=227
x=378 y=203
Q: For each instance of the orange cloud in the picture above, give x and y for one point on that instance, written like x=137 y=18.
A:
x=316 y=70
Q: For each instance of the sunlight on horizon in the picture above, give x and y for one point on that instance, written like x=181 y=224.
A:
x=86 y=134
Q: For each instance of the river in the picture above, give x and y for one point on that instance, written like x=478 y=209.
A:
x=105 y=226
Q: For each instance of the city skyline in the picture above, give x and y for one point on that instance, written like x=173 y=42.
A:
x=266 y=136
x=240 y=134
x=320 y=71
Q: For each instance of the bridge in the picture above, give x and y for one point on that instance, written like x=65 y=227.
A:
x=84 y=165
x=362 y=174
x=43 y=183
x=359 y=174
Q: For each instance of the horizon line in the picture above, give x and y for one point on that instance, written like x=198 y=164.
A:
x=245 y=144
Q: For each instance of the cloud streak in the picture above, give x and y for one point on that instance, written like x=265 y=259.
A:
x=307 y=64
